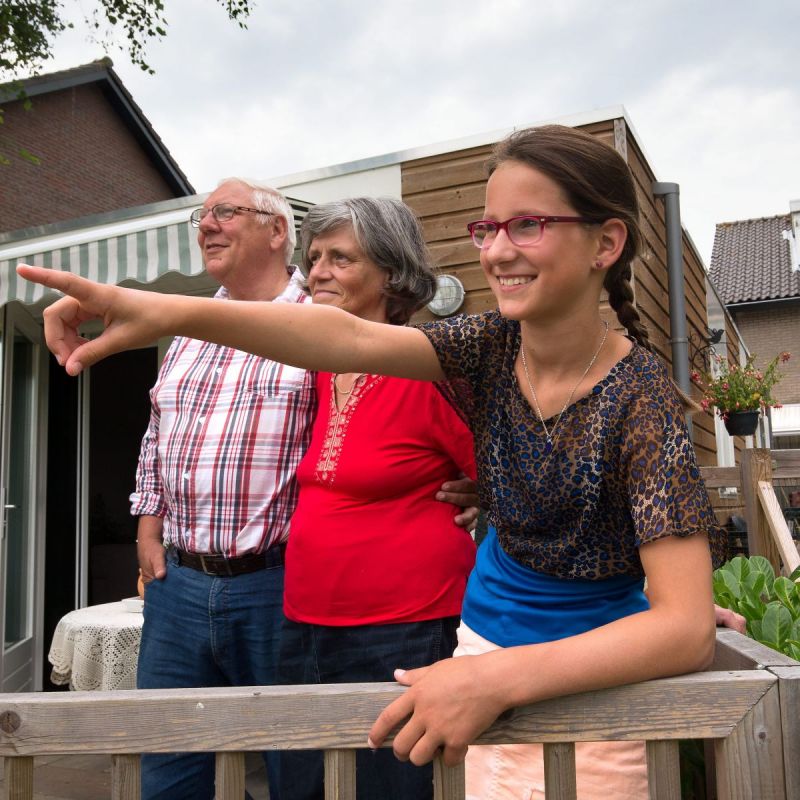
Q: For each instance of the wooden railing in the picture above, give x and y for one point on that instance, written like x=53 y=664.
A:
x=747 y=704
x=767 y=532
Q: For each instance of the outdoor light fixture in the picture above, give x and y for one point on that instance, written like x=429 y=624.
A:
x=449 y=296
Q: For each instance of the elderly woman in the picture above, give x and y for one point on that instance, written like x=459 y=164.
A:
x=376 y=567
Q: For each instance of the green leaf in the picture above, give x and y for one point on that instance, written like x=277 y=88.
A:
x=732 y=583
x=786 y=591
x=754 y=629
x=755 y=585
x=795 y=576
x=793 y=650
x=739 y=567
x=762 y=565
x=751 y=609
x=776 y=626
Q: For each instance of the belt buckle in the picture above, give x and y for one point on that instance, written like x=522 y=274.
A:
x=203 y=564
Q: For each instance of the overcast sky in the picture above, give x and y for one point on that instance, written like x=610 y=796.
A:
x=712 y=87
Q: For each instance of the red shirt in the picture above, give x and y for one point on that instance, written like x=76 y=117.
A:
x=369 y=542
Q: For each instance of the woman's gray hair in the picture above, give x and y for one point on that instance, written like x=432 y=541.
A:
x=270 y=201
x=389 y=234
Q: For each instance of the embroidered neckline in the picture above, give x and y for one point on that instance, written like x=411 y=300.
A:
x=338 y=423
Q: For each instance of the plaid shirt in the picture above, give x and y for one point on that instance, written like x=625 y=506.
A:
x=227 y=431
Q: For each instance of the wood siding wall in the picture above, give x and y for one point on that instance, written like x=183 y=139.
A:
x=447 y=191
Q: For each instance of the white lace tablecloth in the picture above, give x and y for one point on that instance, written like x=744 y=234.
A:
x=97 y=648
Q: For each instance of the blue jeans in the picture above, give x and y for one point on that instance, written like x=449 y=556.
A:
x=203 y=630
x=356 y=654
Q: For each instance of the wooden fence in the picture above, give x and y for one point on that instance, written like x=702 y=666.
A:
x=762 y=475
x=747 y=704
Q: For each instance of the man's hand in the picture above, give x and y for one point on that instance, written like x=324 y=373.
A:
x=150 y=550
x=463 y=493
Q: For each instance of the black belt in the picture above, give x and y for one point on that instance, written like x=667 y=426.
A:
x=239 y=565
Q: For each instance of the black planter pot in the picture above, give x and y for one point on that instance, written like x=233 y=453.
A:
x=742 y=423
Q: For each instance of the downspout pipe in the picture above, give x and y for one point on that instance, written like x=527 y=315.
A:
x=679 y=339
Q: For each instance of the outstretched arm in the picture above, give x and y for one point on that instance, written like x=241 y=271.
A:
x=451 y=702
x=313 y=337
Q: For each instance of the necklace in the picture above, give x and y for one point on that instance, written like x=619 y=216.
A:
x=352 y=385
x=549 y=434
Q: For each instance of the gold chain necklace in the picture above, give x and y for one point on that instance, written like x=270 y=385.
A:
x=549 y=434
x=352 y=385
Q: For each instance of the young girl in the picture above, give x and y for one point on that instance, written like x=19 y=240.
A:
x=585 y=464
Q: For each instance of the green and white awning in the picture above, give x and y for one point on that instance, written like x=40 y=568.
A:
x=141 y=255
x=137 y=251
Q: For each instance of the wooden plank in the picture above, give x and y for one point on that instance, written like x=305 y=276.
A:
x=448 y=782
x=750 y=760
x=757 y=466
x=458 y=198
x=786 y=463
x=442 y=227
x=701 y=705
x=737 y=652
x=126 y=777
x=721 y=477
x=229 y=781
x=18 y=778
x=455 y=172
x=789 y=691
x=340 y=775
x=560 y=782
x=781 y=537
x=663 y=770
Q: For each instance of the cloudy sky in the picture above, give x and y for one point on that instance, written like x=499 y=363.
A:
x=712 y=87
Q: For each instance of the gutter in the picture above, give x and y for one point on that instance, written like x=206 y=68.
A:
x=679 y=339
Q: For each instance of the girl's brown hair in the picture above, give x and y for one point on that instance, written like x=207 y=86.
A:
x=597 y=183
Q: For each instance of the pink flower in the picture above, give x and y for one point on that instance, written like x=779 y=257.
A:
x=785 y=356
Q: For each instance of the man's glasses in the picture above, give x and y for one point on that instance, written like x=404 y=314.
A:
x=222 y=212
x=522 y=231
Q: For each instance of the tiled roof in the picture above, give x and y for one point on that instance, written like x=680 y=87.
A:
x=751 y=261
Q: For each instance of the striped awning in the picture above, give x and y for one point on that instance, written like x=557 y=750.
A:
x=138 y=250
x=140 y=256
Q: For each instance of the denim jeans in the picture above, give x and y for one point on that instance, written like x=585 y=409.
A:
x=203 y=630
x=354 y=654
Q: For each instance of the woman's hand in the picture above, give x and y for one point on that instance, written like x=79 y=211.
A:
x=449 y=704
x=130 y=318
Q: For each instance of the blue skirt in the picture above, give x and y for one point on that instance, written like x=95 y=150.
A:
x=510 y=604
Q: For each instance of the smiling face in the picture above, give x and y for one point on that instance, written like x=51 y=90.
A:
x=240 y=247
x=342 y=276
x=551 y=277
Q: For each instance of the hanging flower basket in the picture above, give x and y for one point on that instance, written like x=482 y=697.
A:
x=741 y=423
x=740 y=392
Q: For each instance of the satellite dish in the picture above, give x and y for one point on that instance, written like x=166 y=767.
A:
x=449 y=296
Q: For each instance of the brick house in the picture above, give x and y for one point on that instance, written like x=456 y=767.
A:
x=97 y=150
x=755 y=268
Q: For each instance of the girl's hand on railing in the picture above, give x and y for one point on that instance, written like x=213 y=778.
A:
x=449 y=706
x=130 y=318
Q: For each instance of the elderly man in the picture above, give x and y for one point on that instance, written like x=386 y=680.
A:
x=216 y=484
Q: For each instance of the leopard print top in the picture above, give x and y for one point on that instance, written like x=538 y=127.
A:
x=622 y=471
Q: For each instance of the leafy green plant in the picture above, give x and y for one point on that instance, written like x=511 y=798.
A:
x=770 y=605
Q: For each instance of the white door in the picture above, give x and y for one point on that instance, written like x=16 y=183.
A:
x=22 y=456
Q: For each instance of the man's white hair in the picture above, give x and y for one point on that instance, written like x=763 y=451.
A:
x=270 y=201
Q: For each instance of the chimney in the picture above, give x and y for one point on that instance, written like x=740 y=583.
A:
x=793 y=235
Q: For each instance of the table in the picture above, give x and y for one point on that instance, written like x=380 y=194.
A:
x=97 y=647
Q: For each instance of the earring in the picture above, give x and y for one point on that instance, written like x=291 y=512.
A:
x=598 y=265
